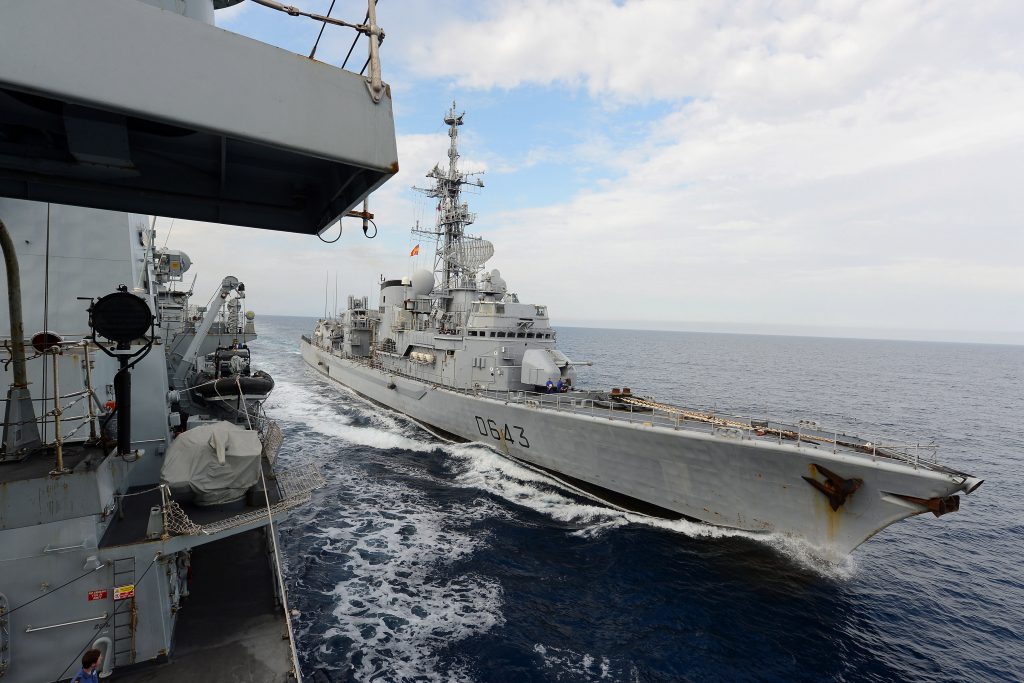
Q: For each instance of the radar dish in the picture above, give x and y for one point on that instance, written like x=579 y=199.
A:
x=471 y=252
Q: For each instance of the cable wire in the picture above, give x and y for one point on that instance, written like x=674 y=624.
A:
x=321 y=238
x=63 y=585
x=322 y=27
x=356 y=40
x=107 y=621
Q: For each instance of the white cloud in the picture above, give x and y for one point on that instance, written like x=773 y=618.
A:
x=771 y=55
x=853 y=162
x=834 y=163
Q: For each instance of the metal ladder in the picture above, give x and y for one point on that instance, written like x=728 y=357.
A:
x=124 y=614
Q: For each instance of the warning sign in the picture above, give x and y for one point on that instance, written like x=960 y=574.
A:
x=98 y=595
x=124 y=592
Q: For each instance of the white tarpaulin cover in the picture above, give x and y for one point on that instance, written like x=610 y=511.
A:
x=218 y=462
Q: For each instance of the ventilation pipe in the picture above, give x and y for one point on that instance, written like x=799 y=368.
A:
x=21 y=432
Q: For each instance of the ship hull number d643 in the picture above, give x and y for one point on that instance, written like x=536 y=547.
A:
x=513 y=434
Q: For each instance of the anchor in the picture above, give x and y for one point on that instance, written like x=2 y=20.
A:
x=937 y=506
x=835 y=488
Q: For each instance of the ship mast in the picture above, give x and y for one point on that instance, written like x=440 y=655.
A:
x=453 y=214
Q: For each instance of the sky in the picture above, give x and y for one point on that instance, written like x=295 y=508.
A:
x=835 y=168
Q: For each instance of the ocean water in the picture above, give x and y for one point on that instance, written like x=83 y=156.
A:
x=425 y=561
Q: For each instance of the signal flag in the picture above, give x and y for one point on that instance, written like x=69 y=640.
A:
x=415 y=251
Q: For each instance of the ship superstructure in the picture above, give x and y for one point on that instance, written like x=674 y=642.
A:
x=139 y=480
x=458 y=352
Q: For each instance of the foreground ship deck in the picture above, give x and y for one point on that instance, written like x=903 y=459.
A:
x=232 y=628
x=148 y=107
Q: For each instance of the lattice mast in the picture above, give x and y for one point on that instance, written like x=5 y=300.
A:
x=453 y=214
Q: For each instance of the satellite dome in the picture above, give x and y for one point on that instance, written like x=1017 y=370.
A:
x=422 y=282
x=498 y=282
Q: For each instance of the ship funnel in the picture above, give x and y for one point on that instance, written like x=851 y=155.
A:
x=21 y=433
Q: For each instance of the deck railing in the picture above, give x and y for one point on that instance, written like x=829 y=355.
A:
x=803 y=434
x=722 y=425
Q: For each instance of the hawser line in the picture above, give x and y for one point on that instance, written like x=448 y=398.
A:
x=606 y=516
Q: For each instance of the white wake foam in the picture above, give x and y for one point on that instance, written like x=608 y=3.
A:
x=401 y=602
x=582 y=666
x=323 y=413
x=479 y=466
x=488 y=470
x=400 y=605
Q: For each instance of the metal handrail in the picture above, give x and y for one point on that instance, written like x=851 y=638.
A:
x=723 y=425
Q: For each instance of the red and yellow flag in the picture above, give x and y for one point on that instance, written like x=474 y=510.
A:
x=415 y=251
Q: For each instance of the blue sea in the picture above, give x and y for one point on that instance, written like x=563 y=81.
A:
x=425 y=561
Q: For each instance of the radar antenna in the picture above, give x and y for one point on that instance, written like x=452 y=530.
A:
x=458 y=256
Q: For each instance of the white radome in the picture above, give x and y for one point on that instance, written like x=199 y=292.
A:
x=422 y=281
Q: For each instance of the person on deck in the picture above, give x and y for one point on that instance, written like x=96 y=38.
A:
x=90 y=662
x=559 y=387
x=550 y=386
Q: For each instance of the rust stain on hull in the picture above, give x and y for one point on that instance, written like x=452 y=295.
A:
x=937 y=506
x=835 y=488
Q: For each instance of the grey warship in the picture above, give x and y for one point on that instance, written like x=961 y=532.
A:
x=459 y=353
x=140 y=490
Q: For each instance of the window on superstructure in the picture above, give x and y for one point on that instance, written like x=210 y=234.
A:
x=501 y=334
x=492 y=334
x=520 y=335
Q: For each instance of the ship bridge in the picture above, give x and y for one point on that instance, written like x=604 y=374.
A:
x=147 y=107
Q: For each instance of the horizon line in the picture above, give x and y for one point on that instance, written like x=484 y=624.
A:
x=812 y=332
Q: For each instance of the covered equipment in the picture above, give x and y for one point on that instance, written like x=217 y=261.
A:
x=217 y=462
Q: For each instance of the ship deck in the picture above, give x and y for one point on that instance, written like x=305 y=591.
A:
x=41 y=462
x=231 y=627
x=649 y=413
x=130 y=524
x=642 y=411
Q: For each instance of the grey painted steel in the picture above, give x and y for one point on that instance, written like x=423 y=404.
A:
x=469 y=358
x=228 y=285
x=164 y=114
x=66 y=542
x=144 y=106
x=716 y=479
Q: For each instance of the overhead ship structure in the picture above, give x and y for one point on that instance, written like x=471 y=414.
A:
x=146 y=106
x=140 y=488
x=458 y=352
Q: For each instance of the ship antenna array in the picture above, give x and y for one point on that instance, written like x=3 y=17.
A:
x=452 y=214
